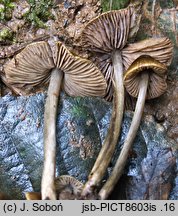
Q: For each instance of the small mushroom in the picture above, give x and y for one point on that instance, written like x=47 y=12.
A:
x=144 y=79
x=67 y=188
x=35 y=66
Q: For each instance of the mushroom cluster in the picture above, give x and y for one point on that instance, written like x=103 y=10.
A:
x=144 y=79
x=107 y=38
x=37 y=65
x=138 y=68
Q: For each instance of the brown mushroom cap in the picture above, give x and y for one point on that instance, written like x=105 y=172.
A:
x=160 y=49
x=68 y=187
x=109 y=30
x=157 y=77
x=31 y=67
x=81 y=76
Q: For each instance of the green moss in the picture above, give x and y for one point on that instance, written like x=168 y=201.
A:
x=6 y=35
x=116 y=4
x=6 y=10
x=79 y=109
x=40 y=12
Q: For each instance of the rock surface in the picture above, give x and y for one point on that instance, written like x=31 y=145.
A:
x=82 y=124
x=21 y=141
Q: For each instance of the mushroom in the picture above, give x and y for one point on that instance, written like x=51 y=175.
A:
x=36 y=65
x=108 y=34
x=67 y=188
x=107 y=37
x=144 y=79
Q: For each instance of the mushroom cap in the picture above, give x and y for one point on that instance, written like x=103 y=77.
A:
x=31 y=67
x=160 y=49
x=109 y=30
x=157 y=77
x=81 y=76
x=68 y=187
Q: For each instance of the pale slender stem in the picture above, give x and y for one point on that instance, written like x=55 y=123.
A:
x=121 y=161
x=48 y=176
x=110 y=142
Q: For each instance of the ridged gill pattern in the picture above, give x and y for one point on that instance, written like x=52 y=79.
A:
x=65 y=181
x=157 y=77
x=108 y=31
x=160 y=49
x=33 y=65
x=81 y=76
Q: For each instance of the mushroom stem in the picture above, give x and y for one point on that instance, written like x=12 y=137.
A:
x=108 y=148
x=121 y=161
x=48 y=176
